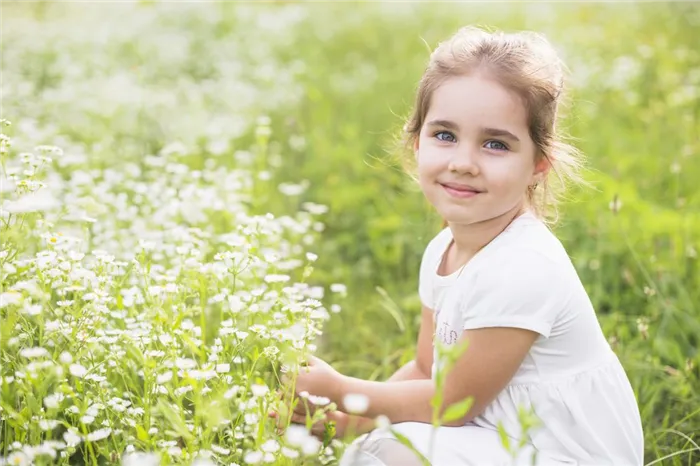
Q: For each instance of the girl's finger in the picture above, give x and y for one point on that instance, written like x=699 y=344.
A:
x=300 y=408
x=298 y=418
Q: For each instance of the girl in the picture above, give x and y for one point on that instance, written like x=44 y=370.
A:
x=484 y=136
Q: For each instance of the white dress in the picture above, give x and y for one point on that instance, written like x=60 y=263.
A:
x=571 y=379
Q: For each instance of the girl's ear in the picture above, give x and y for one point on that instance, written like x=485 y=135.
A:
x=415 y=147
x=542 y=169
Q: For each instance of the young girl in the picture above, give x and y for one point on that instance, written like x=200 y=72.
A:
x=487 y=151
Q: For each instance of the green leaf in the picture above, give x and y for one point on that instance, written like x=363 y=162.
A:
x=457 y=410
x=505 y=440
x=141 y=433
x=329 y=432
x=391 y=307
x=174 y=419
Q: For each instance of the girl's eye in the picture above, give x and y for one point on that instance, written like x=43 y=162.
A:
x=445 y=136
x=497 y=145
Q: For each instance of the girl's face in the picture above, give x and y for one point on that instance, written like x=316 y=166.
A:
x=475 y=156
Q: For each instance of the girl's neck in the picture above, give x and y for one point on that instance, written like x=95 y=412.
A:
x=469 y=239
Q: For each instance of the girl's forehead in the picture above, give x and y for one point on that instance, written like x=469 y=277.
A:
x=468 y=100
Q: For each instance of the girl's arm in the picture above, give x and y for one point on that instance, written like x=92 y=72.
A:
x=492 y=358
x=416 y=369
x=420 y=367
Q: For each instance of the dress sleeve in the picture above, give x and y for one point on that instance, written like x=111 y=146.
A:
x=425 y=288
x=525 y=290
x=429 y=262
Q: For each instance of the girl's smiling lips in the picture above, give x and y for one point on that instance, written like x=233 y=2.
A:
x=460 y=190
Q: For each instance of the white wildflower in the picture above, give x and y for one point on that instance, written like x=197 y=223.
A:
x=290 y=189
x=53 y=401
x=171 y=288
x=235 y=304
x=277 y=278
x=182 y=390
x=39 y=201
x=259 y=390
x=318 y=400
x=9 y=298
x=220 y=450
x=165 y=339
x=77 y=370
x=48 y=424
x=270 y=446
x=355 y=403
x=339 y=288
x=203 y=461
x=316 y=209
x=253 y=457
x=295 y=435
x=17 y=458
x=36 y=352
x=230 y=393
x=140 y=459
x=223 y=368
x=185 y=363
x=289 y=453
x=310 y=446
x=32 y=309
x=315 y=292
x=99 y=434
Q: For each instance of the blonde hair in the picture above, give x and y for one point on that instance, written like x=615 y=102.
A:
x=526 y=63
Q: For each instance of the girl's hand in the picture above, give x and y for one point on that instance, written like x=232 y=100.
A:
x=320 y=379
x=318 y=429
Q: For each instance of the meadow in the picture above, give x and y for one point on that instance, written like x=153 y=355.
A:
x=194 y=194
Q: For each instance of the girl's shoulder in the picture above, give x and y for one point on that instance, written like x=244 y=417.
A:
x=528 y=239
x=437 y=245
x=527 y=253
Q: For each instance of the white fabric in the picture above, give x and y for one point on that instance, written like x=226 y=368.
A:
x=469 y=445
x=570 y=379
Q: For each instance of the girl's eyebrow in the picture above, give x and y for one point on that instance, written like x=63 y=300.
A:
x=488 y=131
x=444 y=123
x=500 y=132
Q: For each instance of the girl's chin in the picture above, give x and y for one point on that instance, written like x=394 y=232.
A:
x=453 y=217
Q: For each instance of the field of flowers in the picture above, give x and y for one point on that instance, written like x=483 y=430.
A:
x=191 y=192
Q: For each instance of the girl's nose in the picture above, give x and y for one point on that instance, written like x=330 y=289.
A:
x=464 y=161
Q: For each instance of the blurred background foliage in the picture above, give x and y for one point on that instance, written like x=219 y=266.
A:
x=337 y=81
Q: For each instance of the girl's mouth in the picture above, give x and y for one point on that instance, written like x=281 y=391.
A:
x=459 y=191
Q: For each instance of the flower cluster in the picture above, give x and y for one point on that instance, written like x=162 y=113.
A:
x=145 y=309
